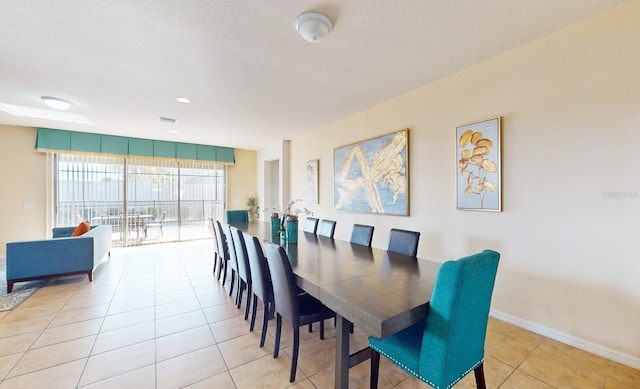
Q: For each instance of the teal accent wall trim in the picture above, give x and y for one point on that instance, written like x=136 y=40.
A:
x=63 y=140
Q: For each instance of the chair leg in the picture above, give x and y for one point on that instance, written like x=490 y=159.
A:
x=321 y=329
x=220 y=267
x=233 y=281
x=253 y=312
x=241 y=286
x=479 y=373
x=223 y=271
x=276 y=346
x=265 y=320
x=375 y=367
x=294 y=357
x=247 y=305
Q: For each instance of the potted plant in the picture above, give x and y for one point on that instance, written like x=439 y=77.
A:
x=275 y=219
x=254 y=208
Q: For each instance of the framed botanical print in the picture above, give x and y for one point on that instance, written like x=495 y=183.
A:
x=479 y=165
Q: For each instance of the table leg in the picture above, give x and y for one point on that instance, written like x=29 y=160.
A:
x=342 y=352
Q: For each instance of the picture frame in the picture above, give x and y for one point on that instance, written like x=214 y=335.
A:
x=372 y=176
x=479 y=165
x=311 y=182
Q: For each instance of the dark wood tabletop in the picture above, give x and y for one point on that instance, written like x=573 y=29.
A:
x=378 y=291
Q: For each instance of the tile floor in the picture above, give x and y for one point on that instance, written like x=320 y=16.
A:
x=155 y=318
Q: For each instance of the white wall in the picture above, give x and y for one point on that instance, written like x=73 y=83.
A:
x=571 y=115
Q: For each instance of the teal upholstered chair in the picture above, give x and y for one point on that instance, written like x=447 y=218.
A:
x=449 y=343
x=238 y=216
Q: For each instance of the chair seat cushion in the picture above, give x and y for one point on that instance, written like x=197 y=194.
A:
x=402 y=348
x=312 y=310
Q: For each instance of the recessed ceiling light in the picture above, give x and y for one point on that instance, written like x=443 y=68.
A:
x=19 y=110
x=56 y=103
x=173 y=131
x=183 y=100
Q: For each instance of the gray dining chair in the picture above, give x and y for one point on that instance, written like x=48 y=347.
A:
x=362 y=235
x=403 y=242
x=233 y=259
x=297 y=310
x=327 y=228
x=261 y=283
x=244 y=270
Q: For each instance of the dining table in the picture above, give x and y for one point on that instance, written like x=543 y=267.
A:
x=377 y=291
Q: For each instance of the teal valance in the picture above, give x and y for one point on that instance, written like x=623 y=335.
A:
x=63 y=140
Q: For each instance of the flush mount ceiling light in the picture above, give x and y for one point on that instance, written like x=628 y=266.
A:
x=313 y=26
x=56 y=103
x=183 y=100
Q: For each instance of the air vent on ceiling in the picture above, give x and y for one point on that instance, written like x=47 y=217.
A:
x=168 y=120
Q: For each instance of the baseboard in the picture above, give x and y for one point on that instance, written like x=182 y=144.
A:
x=582 y=344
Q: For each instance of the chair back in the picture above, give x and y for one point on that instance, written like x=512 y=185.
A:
x=231 y=247
x=362 y=235
x=212 y=223
x=258 y=268
x=285 y=292
x=327 y=228
x=403 y=242
x=310 y=225
x=456 y=323
x=223 y=250
x=241 y=255
x=238 y=216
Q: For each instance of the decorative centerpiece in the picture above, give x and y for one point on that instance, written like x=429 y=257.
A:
x=290 y=220
x=275 y=223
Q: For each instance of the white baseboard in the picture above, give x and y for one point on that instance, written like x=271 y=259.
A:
x=582 y=344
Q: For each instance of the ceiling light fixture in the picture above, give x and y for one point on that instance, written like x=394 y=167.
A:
x=183 y=100
x=56 y=103
x=313 y=26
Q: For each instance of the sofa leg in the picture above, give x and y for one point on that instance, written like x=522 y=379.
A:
x=90 y=274
x=9 y=286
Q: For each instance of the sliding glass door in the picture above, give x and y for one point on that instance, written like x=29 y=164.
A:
x=144 y=200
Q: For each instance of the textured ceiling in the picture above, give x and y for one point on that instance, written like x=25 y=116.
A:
x=250 y=76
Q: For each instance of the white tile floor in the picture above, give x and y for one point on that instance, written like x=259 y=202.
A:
x=154 y=317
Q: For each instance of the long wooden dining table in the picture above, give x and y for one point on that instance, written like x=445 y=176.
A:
x=380 y=292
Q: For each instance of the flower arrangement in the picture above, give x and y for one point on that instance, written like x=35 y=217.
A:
x=293 y=211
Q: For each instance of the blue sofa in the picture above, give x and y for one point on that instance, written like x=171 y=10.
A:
x=61 y=256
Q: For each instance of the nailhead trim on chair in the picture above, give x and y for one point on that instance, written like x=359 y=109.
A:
x=424 y=379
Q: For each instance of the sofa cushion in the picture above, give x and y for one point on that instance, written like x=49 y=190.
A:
x=81 y=229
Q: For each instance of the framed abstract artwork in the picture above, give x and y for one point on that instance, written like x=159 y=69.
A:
x=311 y=182
x=479 y=165
x=372 y=176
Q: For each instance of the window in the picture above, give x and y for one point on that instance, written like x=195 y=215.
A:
x=144 y=200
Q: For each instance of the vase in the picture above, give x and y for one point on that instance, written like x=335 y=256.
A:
x=292 y=231
x=275 y=225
